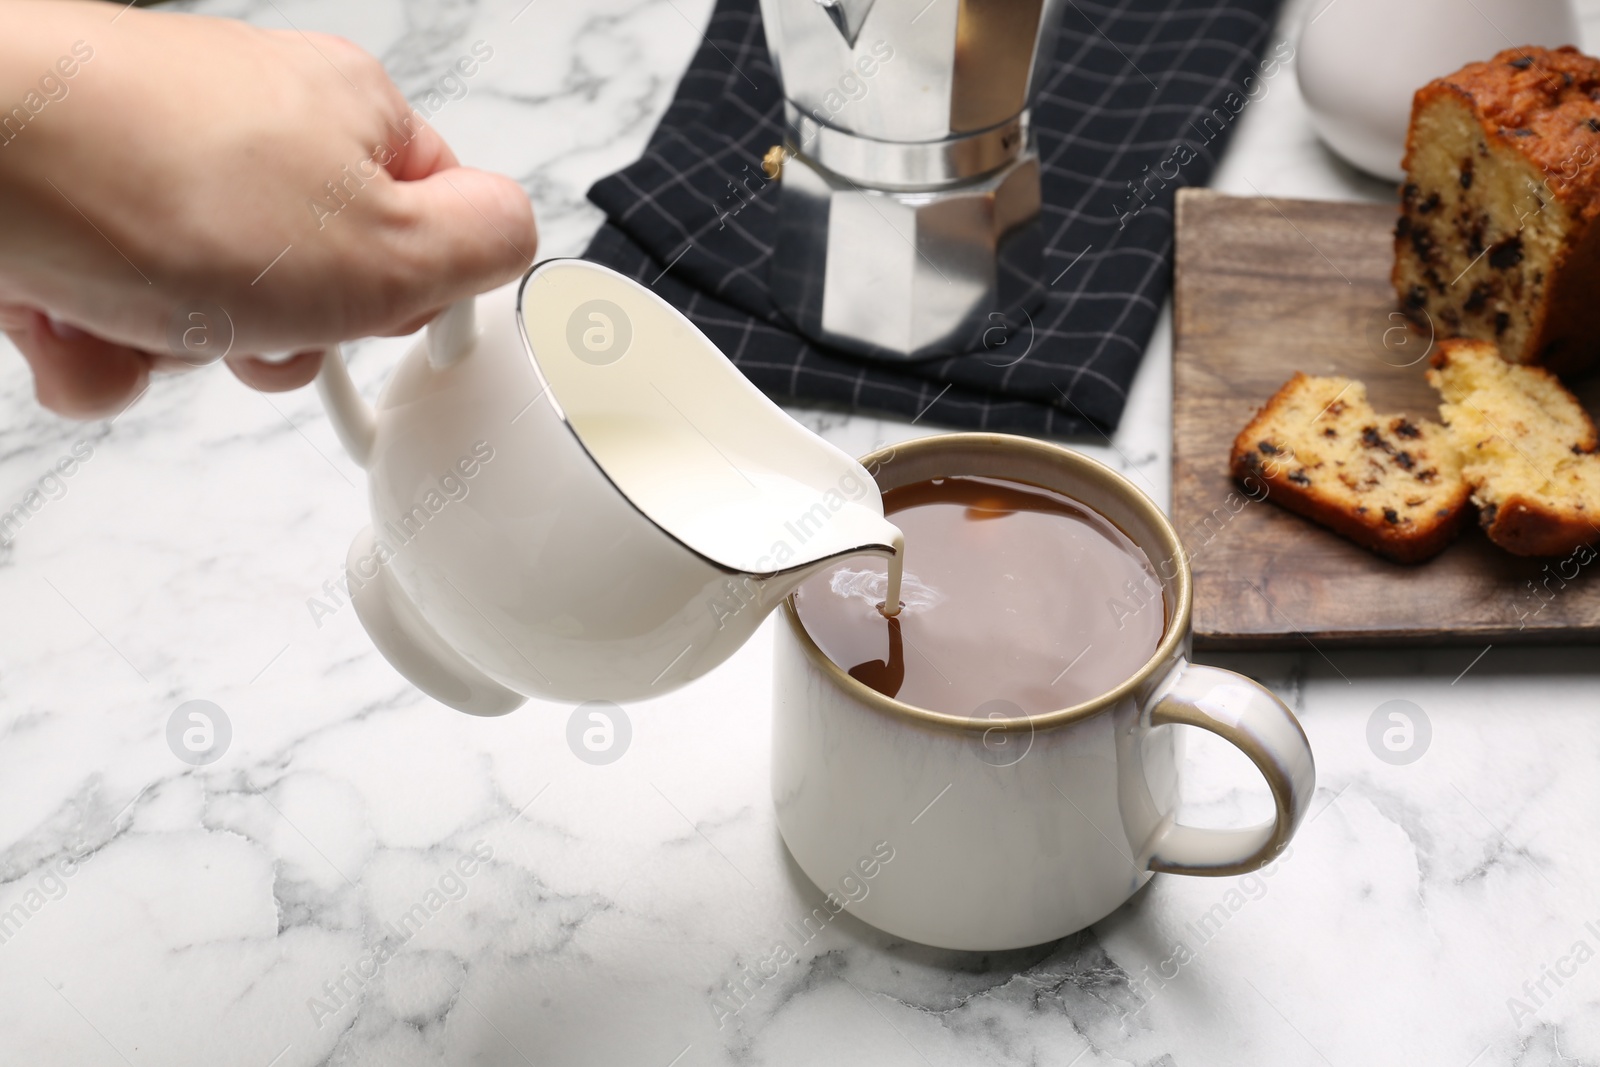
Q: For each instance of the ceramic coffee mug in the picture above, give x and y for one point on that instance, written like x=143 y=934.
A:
x=1006 y=832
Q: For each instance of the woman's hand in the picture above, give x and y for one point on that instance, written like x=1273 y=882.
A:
x=196 y=172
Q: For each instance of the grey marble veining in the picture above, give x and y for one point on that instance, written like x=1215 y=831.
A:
x=368 y=878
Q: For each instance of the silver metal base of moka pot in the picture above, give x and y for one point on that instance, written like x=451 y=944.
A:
x=906 y=272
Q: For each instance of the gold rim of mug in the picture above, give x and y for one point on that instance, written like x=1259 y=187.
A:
x=1089 y=470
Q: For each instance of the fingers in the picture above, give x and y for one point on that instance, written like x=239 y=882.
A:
x=75 y=374
x=424 y=154
x=471 y=231
x=80 y=376
x=418 y=149
x=276 y=376
x=14 y=318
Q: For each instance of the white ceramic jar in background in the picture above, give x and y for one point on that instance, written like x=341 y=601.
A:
x=1360 y=62
x=983 y=834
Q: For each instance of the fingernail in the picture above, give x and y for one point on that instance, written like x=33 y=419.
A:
x=64 y=330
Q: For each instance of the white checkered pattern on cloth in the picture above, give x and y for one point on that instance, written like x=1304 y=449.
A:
x=1131 y=82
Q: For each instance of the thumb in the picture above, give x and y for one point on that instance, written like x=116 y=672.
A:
x=476 y=227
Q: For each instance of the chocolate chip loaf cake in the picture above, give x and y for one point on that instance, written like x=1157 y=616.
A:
x=1527 y=447
x=1386 y=482
x=1496 y=238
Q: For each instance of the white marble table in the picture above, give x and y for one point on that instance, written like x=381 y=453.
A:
x=227 y=914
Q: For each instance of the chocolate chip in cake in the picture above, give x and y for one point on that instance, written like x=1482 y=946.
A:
x=1408 y=193
x=1486 y=516
x=1372 y=439
x=1402 y=226
x=1522 y=131
x=1506 y=254
x=1429 y=204
x=1405 y=429
x=1269 y=449
x=1477 y=298
x=1422 y=243
x=1466 y=174
x=1594 y=125
x=1501 y=322
x=1299 y=477
x=1428 y=475
x=1330 y=432
x=1391 y=515
x=1405 y=460
x=1522 y=62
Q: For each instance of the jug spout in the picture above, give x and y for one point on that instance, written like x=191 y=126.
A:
x=775 y=588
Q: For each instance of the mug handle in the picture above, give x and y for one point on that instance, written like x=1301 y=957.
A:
x=1247 y=715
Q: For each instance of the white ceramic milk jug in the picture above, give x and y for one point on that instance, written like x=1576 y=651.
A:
x=575 y=495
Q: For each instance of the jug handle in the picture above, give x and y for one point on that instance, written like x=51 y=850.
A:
x=449 y=337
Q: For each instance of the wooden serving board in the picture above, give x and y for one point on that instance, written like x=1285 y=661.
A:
x=1268 y=287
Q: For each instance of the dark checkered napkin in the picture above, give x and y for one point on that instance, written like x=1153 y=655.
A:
x=1141 y=97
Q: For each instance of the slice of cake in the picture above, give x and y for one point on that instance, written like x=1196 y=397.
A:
x=1496 y=237
x=1527 y=449
x=1386 y=482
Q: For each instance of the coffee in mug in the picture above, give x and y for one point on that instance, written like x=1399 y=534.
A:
x=1015 y=598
